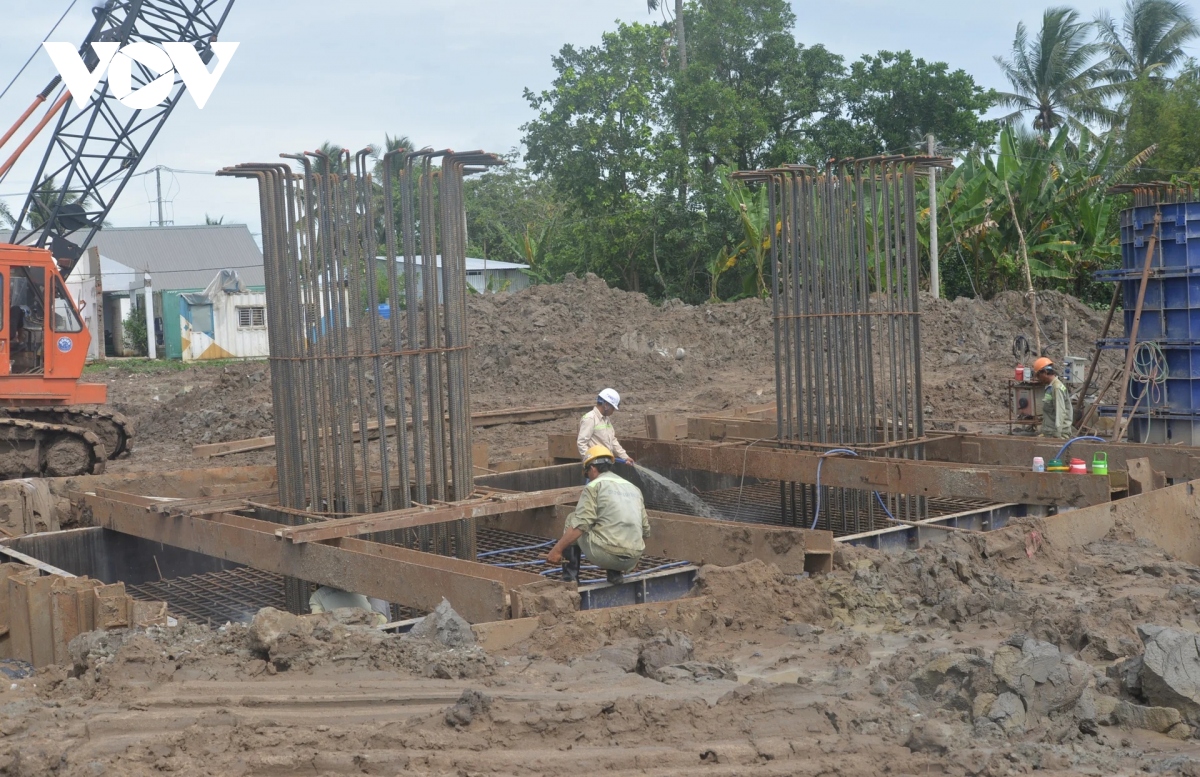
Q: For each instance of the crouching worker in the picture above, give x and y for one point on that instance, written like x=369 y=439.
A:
x=609 y=525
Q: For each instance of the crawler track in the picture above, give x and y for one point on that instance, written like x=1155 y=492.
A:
x=113 y=429
x=37 y=449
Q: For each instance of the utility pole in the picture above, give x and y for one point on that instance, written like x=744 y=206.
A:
x=157 y=174
x=935 y=282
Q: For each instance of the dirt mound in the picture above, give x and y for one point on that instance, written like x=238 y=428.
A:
x=579 y=335
x=559 y=343
x=119 y=662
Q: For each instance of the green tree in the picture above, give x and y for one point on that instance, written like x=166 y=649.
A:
x=505 y=201
x=753 y=215
x=213 y=222
x=44 y=200
x=750 y=88
x=1166 y=115
x=1055 y=76
x=600 y=137
x=1149 y=42
x=7 y=219
x=896 y=99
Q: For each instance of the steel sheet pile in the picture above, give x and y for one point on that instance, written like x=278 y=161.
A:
x=338 y=365
x=847 y=326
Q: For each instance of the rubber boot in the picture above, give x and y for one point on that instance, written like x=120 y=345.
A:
x=614 y=577
x=572 y=557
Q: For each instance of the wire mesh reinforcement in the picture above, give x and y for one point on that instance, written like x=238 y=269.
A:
x=237 y=594
x=232 y=595
x=759 y=502
x=847 y=322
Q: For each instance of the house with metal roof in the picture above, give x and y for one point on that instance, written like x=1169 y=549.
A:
x=183 y=258
x=168 y=263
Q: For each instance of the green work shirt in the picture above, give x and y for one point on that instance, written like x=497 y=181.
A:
x=612 y=513
x=1057 y=412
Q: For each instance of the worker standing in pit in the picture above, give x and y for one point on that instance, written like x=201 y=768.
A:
x=1056 y=404
x=609 y=525
x=595 y=428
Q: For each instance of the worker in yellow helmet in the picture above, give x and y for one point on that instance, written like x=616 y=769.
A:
x=1057 y=412
x=595 y=428
x=609 y=525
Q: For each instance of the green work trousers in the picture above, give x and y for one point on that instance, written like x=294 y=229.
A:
x=603 y=558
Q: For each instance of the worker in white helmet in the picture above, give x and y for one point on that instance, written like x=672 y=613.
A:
x=609 y=525
x=595 y=428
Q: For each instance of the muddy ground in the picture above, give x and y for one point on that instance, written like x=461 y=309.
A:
x=994 y=654
x=560 y=344
x=985 y=655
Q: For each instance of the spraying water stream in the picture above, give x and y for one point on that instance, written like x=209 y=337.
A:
x=660 y=485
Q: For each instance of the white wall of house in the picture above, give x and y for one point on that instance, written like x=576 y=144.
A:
x=238 y=328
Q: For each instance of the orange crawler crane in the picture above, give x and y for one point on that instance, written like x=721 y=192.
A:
x=52 y=424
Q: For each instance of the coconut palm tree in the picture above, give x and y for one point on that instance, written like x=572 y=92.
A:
x=1149 y=41
x=334 y=152
x=1054 y=75
x=6 y=217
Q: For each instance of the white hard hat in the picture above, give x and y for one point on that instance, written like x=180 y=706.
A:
x=611 y=397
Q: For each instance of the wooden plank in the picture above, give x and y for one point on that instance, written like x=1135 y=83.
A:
x=477 y=591
x=717 y=428
x=562 y=446
x=482 y=419
x=424 y=516
x=665 y=426
x=33 y=562
x=529 y=415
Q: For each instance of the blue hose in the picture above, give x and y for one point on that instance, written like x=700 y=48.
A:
x=846 y=451
x=1063 y=449
x=878 y=497
x=514 y=550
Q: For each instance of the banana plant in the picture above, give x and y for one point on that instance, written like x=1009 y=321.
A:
x=754 y=217
x=534 y=250
x=720 y=264
x=1059 y=188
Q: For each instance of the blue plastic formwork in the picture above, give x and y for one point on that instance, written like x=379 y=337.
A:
x=1179 y=236
x=1168 y=413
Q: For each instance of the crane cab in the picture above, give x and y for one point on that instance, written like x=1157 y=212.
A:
x=43 y=342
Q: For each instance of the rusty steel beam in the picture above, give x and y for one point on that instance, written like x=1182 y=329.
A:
x=707 y=540
x=478 y=592
x=1178 y=463
x=425 y=516
x=892 y=476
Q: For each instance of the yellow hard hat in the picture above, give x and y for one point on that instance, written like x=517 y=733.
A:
x=597 y=452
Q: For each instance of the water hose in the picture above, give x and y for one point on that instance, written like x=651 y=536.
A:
x=1063 y=449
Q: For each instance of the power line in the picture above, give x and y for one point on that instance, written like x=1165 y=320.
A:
x=35 y=51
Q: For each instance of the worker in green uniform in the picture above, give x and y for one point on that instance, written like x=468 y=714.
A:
x=609 y=525
x=1057 y=412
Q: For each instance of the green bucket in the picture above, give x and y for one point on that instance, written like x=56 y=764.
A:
x=1100 y=463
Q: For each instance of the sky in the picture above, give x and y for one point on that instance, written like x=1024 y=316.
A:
x=447 y=73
